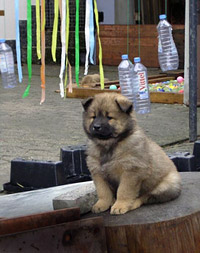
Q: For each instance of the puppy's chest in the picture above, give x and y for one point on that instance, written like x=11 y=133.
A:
x=110 y=167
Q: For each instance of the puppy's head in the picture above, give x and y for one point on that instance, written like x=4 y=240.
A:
x=108 y=118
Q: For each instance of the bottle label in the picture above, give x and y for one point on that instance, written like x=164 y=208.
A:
x=3 y=66
x=143 y=86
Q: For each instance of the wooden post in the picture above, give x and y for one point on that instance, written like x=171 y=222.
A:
x=171 y=227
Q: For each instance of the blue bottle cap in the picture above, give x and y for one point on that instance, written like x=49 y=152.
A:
x=137 y=59
x=2 y=40
x=162 y=16
x=124 y=57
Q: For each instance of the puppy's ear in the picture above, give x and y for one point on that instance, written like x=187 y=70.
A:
x=124 y=105
x=86 y=102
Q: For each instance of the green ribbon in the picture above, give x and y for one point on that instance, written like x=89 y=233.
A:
x=128 y=10
x=29 y=47
x=77 y=44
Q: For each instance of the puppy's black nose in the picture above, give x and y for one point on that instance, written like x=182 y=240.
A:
x=97 y=127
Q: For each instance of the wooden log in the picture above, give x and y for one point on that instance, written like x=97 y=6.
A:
x=172 y=227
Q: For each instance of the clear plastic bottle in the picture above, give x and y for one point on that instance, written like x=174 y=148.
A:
x=140 y=87
x=167 y=52
x=7 y=65
x=125 y=70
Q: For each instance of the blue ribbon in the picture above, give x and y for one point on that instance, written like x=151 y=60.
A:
x=18 y=48
x=91 y=32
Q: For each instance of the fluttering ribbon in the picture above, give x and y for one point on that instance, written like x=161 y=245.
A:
x=63 y=53
x=29 y=47
x=38 y=29
x=139 y=22
x=42 y=70
x=87 y=34
x=67 y=46
x=128 y=10
x=91 y=32
x=101 y=73
x=77 y=53
x=55 y=31
x=18 y=48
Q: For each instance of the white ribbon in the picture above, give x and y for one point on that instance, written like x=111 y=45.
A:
x=87 y=34
x=91 y=32
x=63 y=53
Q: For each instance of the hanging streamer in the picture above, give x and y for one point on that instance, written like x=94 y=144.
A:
x=100 y=48
x=63 y=53
x=55 y=31
x=139 y=13
x=77 y=44
x=166 y=7
x=91 y=32
x=67 y=45
x=38 y=28
x=128 y=10
x=87 y=34
x=42 y=70
x=18 y=48
x=29 y=47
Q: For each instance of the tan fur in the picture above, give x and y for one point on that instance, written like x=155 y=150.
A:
x=91 y=80
x=130 y=171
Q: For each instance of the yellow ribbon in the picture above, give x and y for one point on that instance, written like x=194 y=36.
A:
x=38 y=28
x=55 y=31
x=101 y=73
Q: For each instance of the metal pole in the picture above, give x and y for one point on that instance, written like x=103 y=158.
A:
x=193 y=72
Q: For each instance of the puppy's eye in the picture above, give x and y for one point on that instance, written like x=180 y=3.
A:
x=93 y=117
x=109 y=117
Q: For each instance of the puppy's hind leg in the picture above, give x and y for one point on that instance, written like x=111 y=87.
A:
x=168 y=189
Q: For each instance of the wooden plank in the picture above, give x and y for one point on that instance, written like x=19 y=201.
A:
x=155 y=97
x=2 y=13
x=14 y=225
x=80 y=236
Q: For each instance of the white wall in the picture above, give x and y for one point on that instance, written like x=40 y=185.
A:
x=7 y=23
x=108 y=7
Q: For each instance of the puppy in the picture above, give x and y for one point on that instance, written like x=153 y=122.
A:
x=91 y=80
x=128 y=169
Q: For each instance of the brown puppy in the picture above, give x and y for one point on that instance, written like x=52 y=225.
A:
x=127 y=167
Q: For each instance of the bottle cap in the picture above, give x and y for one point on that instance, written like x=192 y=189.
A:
x=124 y=57
x=2 y=40
x=137 y=59
x=162 y=16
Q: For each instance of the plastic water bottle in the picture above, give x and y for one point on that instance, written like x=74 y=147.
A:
x=140 y=87
x=7 y=65
x=167 y=52
x=125 y=71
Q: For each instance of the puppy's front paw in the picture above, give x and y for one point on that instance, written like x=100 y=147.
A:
x=120 y=208
x=101 y=206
